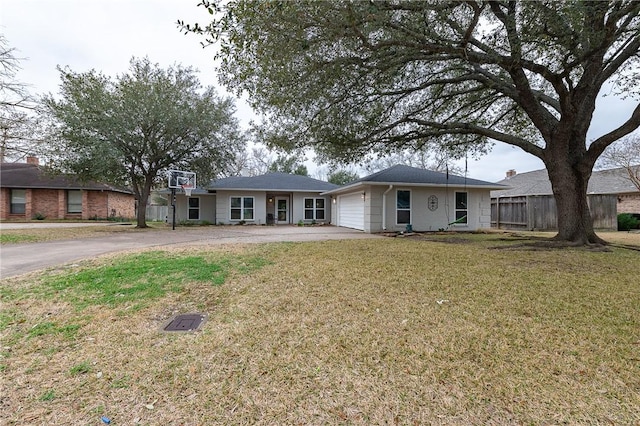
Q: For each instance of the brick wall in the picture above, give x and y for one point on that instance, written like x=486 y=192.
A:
x=52 y=204
x=629 y=203
x=122 y=205
x=4 y=202
x=95 y=205
x=109 y=204
x=44 y=202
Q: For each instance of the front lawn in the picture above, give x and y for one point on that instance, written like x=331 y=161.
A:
x=38 y=235
x=386 y=331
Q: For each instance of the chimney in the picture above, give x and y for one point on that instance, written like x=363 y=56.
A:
x=33 y=160
x=511 y=173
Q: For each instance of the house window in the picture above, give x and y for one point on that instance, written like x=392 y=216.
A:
x=241 y=208
x=74 y=201
x=403 y=207
x=18 y=201
x=461 y=208
x=314 y=208
x=194 y=208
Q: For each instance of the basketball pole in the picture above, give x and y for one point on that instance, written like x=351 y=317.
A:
x=173 y=205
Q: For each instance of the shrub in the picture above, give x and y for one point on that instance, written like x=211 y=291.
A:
x=626 y=222
x=39 y=216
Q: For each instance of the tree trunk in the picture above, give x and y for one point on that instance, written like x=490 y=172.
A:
x=142 y=203
x=569 y=183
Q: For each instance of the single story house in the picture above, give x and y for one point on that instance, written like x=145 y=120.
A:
x=403 y=197
x=385 y=201
x=272 y=198
x=529 y=203
x=28 y=192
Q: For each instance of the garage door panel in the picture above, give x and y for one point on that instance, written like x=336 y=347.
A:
x=351 y=211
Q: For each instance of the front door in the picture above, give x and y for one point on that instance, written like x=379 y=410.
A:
x=282 y=210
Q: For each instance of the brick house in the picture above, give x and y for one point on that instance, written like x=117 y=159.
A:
x=28 y=192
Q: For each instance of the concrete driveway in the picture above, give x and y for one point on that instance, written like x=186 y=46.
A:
x=17 y=259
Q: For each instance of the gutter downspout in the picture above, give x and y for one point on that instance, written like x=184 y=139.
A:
x=384 y=207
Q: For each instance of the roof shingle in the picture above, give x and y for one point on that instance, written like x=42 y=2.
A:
x=272 y=182
x=23 y=176
x=612 y=181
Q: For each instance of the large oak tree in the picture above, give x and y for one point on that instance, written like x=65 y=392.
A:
x=131 y=130
x=351 y=77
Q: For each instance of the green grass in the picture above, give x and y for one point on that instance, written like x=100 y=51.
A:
x=17 y=238
x=68 y=331
x=136 y=279
x=49 y=395
x=82 y=368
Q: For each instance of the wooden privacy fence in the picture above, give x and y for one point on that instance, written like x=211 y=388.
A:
x=539 y=213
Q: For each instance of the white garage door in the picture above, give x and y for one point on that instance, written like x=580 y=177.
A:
x=351 y=211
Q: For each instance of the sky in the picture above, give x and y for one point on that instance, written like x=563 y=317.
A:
x=105 y=34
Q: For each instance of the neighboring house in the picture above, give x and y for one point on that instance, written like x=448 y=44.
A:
x=399 y=196
x=273 y=198
x=28 y=192
x=529 y=203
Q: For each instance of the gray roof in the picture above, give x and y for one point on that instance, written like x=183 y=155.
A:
x=406 y=175
x=24 y=175
x=612 y=181
x=272 y=182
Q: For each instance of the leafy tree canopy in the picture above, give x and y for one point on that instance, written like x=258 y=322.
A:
x=291 y=165
x=132 y=129
x=351 y=77
x=342 y=177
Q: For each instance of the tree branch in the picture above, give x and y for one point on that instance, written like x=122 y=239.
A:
x=598 y=146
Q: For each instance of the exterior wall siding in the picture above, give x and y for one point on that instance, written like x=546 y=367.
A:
x=424 y=219
x=208 y=210
x=262 y=207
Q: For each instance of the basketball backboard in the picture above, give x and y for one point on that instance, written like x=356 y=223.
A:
x=180 y=180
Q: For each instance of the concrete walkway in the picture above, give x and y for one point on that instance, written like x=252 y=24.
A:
x=16 y=259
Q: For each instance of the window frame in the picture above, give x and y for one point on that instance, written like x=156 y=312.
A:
x=398 y=191
x=18 y=208
x=190 y=208
x=70 y=204
x=314 y=209
x=242 y=208
x=458 y=210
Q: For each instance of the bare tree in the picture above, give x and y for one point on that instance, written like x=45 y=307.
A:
x=18 y=125
x=625 y=153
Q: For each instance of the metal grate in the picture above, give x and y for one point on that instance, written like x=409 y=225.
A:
x=185 y=323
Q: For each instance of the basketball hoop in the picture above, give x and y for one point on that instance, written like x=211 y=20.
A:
x=187 y=189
